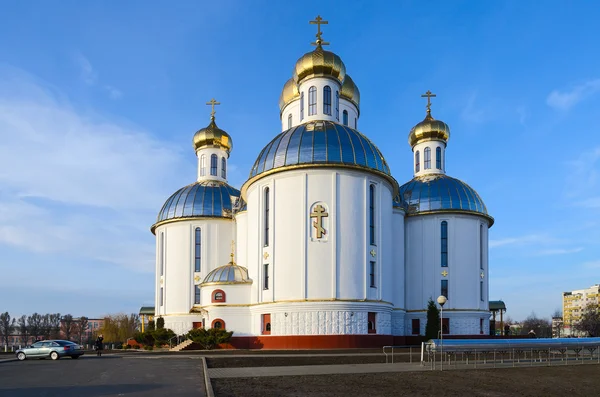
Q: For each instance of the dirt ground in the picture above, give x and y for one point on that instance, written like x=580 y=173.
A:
x=580 y=380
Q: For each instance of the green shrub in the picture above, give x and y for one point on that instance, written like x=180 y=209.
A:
x=127 y=346
x=148 y=348
x=210 y=338
x=160 y=323
x=162 y=336
x=150 y=326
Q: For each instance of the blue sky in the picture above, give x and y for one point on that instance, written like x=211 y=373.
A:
x=99 y=102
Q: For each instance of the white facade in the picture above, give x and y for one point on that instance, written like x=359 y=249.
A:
x=327 y=244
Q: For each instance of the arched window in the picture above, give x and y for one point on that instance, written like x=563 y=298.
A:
x=196 y=294
x=223 y=168
x=444 y=243
x=203 y=165
x=312 y=100
x=213 y=164
x=337 y=105
x=218 y=296
x=302 y=106
x=266 y=218
x=290 y=121
x=161 y=253
x=481 y=253
x=372 y=214
x=345 y=117
x=197 y=249
x=427 y=158
x=417 y=162
x=327 y=100
x=438 y=158
x=218 y=324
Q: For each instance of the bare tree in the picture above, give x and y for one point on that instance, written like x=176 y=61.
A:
x=6 y=326
x=590 y=321
x=23 y=328
x=82 y=327
x=45 y=328
x=54 y=321
x=68 y=326
x=540 y=326
x=34 y=324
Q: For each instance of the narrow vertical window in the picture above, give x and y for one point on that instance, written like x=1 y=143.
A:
x=372 y=274
x=197 y=249
x=223 y=168
x=372 y=322
x=372 y=214
x=444 y=243
x=438 y=158
x=213 y=164
x=481 y=326
x=417 y=162
x=196 y=294
x=481 y=253
x=266 y=324
x=266 y=219
x=160 y=297
x=302 y=106
x=345 y=117
x=427 y=158
x=327 y=100
x=265 y=276
x=290 y=121
x=161 y=253
x=337 y=105
x=203 y=165
x=355 y=123
x=481 y=291
x=416 y=326
x=312 y=101
x=444 y=290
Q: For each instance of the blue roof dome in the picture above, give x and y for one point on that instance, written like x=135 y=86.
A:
x=440 y=193
x=320 y=142
x=200 y=199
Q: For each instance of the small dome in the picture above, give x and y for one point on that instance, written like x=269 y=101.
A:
x=212 y=136
x=319 y=63
x=288 y=94
x=200 y=199
x=350 y=91
x=228 y=274
x=320 y=143
x=440 y=193
x=427 y=130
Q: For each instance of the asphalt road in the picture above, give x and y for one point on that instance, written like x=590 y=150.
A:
x=109 y=375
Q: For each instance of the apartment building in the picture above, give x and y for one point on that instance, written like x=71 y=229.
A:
x=574 y=304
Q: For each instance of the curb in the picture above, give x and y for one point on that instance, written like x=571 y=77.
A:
x=8 y=360
x=209 y=390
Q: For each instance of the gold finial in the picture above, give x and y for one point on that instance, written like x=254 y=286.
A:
x=232 y=250
x=319 y=21
x=428 y=95
x=212 y=103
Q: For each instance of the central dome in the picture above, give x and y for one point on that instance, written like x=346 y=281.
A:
x=319 y=63
x=320 y=142
x=228 y=274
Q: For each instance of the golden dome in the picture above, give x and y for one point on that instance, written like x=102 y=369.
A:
x=319 y=63
x=212 y=136
x=428 y=130
x=288 y=94
x=350 y=91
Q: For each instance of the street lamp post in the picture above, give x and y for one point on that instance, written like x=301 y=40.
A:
x=441 y=300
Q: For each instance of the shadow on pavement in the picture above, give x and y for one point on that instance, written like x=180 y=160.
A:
x=88 y=391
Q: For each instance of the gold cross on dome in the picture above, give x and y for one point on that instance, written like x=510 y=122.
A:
x=428 y=95
x=319 y=21
x=445 y=273
x=232 y=249
x=482 y=275
x=319 y=213
x=212 y=103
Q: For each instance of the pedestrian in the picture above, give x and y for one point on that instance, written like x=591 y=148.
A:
x=98 y=345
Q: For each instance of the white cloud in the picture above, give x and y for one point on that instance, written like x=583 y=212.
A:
x=560 y=251
x=471 y=113
x=566 y=99
x=90 y=76
x=78 y=184
x=592 y=264
x=584 y=179
x=521 y=240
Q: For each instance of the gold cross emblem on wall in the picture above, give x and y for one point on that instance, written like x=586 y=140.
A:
x=373 y=253
x=482 y=275
x=319 y=213
x=266 y=255
x=445 y=273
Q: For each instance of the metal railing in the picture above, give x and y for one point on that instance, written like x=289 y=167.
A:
x=390 y=352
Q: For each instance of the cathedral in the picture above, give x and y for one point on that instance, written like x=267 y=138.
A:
x=321 y=246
